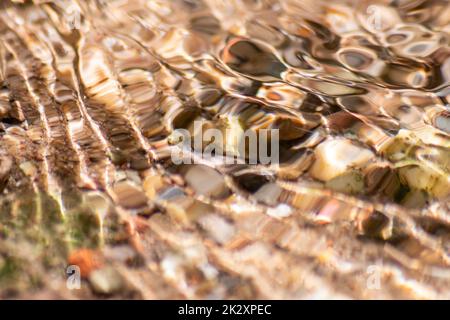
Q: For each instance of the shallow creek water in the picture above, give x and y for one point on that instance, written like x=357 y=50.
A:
x=91 y=93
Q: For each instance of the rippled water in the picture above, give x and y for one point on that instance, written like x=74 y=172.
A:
x=92 y=91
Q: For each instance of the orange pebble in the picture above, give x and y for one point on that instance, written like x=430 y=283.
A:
x=86 y=259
